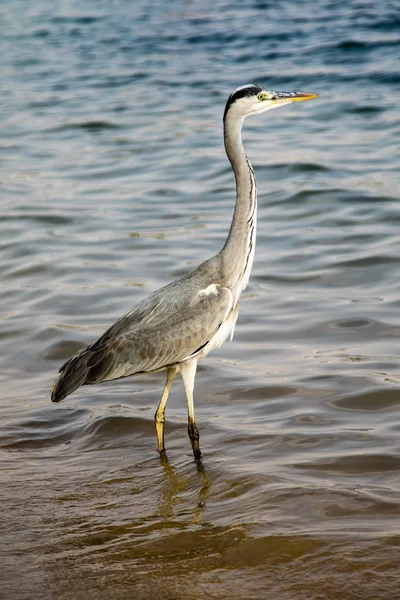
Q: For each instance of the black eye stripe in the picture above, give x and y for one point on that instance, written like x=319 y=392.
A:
x=249 y=90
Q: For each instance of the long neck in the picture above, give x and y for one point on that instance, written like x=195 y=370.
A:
x=238 y=251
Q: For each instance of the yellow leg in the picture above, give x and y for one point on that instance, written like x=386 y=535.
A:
x=160 y=412
x=188 y=372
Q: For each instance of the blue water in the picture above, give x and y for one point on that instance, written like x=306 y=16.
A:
x=114 y=182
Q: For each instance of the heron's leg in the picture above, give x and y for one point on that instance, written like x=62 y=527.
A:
x=160 y=412
x=188 y=372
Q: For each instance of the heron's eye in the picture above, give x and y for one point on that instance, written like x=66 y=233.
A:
x=262 y=96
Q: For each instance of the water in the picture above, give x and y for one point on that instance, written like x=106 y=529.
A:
x=114 y=182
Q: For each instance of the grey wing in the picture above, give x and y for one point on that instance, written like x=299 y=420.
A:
x=165 y=341
x=183 y=333
x=165 y=336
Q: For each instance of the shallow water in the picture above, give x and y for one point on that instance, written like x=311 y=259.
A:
x=114 y=182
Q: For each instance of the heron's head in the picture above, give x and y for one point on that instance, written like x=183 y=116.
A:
x=251 y=99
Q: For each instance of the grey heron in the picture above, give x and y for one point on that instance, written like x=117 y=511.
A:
x=179 y=324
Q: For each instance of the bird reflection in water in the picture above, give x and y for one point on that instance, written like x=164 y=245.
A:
x=176 y=483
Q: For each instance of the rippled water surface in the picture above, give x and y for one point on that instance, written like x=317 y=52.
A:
x=114 y=182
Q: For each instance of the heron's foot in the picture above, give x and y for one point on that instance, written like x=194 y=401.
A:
x=196 y=450
x=163 y=457
x=194 y=439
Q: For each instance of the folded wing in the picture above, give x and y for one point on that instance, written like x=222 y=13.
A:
x=168 y=332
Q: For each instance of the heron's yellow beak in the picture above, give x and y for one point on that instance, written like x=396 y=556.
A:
x=279 y=97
